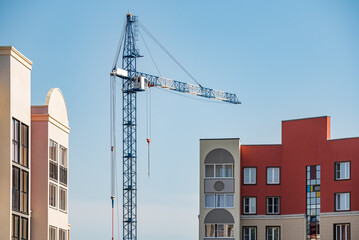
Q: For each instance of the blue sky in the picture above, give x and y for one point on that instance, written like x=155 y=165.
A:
x=284 y=59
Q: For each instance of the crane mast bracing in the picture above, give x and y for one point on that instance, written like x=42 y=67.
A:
x=133 y=82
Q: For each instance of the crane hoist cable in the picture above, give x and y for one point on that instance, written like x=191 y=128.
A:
x=166 y=51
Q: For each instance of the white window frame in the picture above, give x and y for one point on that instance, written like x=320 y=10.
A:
x=64 y=234
x=273 y=212
x=216 y=203
x=61 y=200
x=271 y=172
x=225 y=226
x=339 y=197
x=55 y=231
x=249 y=173
x=55 y=197
x=251 y=201
x=343 y=169
x=249 y=233
x=215 y=170
x=342 y=227
x=272 y=228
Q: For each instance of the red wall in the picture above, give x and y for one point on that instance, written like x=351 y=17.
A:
x=304 y=142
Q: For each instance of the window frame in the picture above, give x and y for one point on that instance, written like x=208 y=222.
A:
x=335 y=202
x=64 y=232
x=215 y=170
x=335 y=228
x=215 y=230
x=279 y=177
x=335 y=171
x=255 y=227
x=24 y=144
x=56 y=195
x=54 y=162
x=18 y=227
x=55 y=231
x=255 y=180
x=18 y=141
x=60 y=202
x=215 y=200
x=249 y=205
x=266 y=235
x=274 y=213
x=16 y=190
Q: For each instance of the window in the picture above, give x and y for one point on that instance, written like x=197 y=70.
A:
x=218 y=230
x=342 y=201
x=249 y=205
x=63 y=165
x=24 y=145
x=273 y=233
x=219 y=170
x=53 y=195
x=52 y=233
x=15 y=141
x=24 y=191
x=273 y=175
x=342 y=170
x=249 y=175
x=273 y=205
x=342 y=231
x=62 y=234
x=15 y=188
x=218 y=200
x=249 y=233
x=15 y=227
x=53 y=168
x=63 y=198
x=24 y=228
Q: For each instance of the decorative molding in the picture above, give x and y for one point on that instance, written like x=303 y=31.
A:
x=50 y=119
x=270 y=217
x=339 y=214
x=10 y=50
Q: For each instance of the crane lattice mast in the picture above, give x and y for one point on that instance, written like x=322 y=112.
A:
x=133 y=82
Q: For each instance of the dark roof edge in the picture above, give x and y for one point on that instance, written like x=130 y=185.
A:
x=304 y=118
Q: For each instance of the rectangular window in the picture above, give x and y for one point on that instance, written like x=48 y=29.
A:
x=24 y=192
x=63 y=156
x=52 y=233
x=219 y=230
x=53 y=166
x=249 y=205
x=24 y=229
x=15 y=227
x=342 y=231
x=249 y=233
x=63 y=175
x=273 y=205
x=342 y=170
x=53 y=195
x=63 y=198
x=62 y=234
x=225 y=170
x=15 y=188
x=209 y=170
x=24 y=145
x=15 y=141
x=342 y=201
x=249 y=175
x=273 y=233
x=273 y=175
x=218 y=200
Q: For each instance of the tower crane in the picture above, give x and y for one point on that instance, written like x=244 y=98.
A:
x=134 y=82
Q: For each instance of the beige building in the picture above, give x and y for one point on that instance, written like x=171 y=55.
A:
x=33 y=194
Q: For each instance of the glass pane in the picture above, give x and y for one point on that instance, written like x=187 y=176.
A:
x=220 y=230
x=209 y=230
x=269 y=175
x=228 y=171
x=220 y=171
x=276 y=175
x=246 y=175
x=209 y=170
x=229 y=230
x=220 y=201
x=229 y=201
x=253 y=175
x=252 y=205
x=209 y=201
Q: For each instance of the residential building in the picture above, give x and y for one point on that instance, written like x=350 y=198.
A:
x=303 y=188
x=34 y=156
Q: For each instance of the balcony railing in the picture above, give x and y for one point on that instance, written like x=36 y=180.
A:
x=63 y=175
x=53 y=170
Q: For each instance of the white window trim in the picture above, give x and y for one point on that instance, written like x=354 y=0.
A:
x=346 y=174
x=267 y=228
x=215 y=170
x=249 y=206
x=251 y=181
x=215 y=200
x=234 y=230
x=273 y=213
x=56 y=196
x=337 y=206
x=273 y=175
x=250 y=234
x=346 y=227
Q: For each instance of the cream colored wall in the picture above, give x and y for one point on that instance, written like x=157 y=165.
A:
x=293 y=227
x=233 y=146
x=327 y=221
x=15 y=81
x=49 y=121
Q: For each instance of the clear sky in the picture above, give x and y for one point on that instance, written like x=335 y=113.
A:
x=284 y=59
